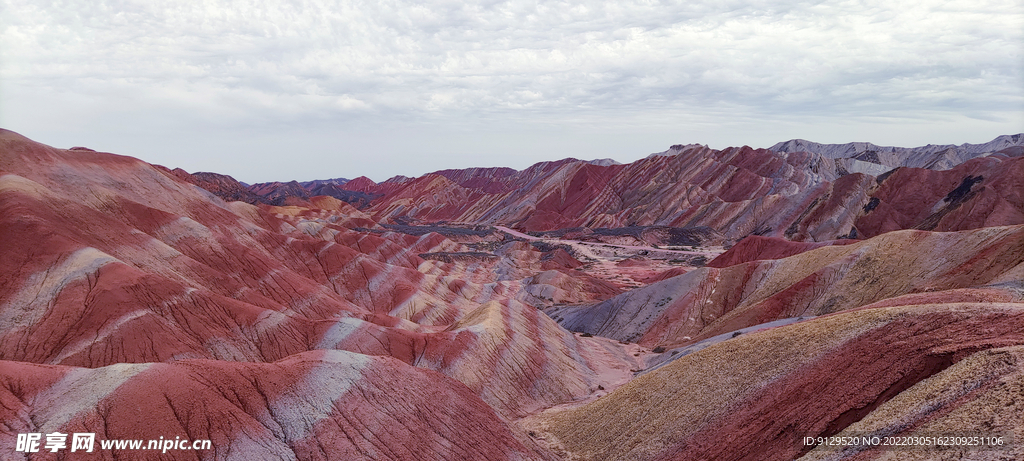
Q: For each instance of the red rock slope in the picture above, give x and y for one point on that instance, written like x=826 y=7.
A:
x=738 y=191
x=109 y=260
x=756 y=247
x=710 y=301
x=321 y=405
x=134 y=304
x=915 y=370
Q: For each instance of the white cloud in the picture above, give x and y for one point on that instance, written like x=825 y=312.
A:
x=157 y=68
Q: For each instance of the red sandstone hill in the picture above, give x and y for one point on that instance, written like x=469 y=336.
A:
x=320 y=405
x=290 y=193
x=135 y=304
x=931 y=369
x=756 y=247
x=108 y=261
x=223 y=186
x=798 y=190
x=715 y=300
x=798 y=195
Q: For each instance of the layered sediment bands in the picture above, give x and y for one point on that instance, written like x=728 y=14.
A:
x=136 y=305
x=276 y=193
x=935 y=157
x=981 y=192
x=756 y=248
x=223 y=186
x=711 y=301
x=984 y=388
x=739 y=191
x=108 y=260
x=314 y=405
x=826 y=193
x=569 y=193
x=514 y=357
x=774 y=387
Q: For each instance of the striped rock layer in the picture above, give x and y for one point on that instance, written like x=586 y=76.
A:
x=798 y=195
x=322 y=405
x=134 y=304
x=922 y=369
x=109 y=261
x=895 y=268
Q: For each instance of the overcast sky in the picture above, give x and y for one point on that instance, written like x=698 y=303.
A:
x=276 y=90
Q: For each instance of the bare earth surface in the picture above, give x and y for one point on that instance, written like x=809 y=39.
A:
x=629 y=266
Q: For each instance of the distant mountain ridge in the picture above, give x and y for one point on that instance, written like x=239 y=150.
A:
x=323 y=182
x=931 y=156
x=798 y=195
x=852 y=148
x=797 y=190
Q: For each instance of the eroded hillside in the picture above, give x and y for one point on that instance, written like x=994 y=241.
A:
x=430 y=321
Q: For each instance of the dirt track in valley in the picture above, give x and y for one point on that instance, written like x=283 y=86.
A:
x=602 y=260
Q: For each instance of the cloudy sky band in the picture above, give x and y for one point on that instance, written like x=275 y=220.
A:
x=456 y=80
